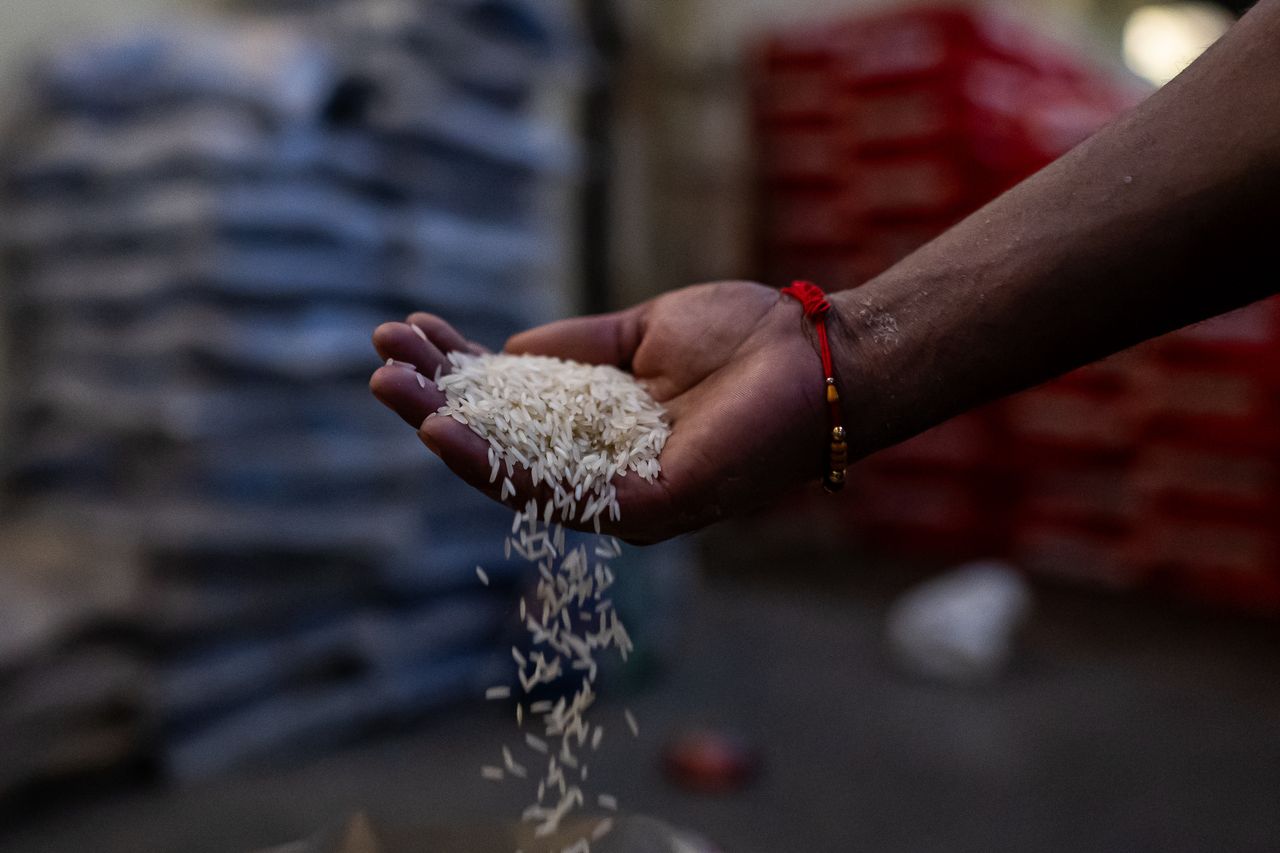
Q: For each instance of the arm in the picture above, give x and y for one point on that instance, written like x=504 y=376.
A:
x=1161 y=219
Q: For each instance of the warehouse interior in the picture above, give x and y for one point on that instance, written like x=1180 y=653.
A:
x=239 y=606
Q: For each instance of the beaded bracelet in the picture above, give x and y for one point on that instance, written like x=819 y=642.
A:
x=815 y=305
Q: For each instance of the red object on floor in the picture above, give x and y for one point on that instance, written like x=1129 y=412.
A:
x=710 y=762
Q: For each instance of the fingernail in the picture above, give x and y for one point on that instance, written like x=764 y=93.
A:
x=426 y=437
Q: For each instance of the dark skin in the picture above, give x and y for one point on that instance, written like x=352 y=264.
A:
x=1162 y=219
x=709 y=353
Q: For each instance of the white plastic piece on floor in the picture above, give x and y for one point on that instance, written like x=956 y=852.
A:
x=960 y=628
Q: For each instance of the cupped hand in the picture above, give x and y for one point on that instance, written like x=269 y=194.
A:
x=732 y=362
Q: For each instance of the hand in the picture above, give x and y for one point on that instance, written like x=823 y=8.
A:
x=732 y=362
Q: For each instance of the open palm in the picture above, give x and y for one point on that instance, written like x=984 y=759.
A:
x=729 y=360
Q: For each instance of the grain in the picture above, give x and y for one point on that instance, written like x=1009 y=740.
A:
x=573 y=430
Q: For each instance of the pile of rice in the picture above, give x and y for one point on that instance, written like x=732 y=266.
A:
x=574 y=428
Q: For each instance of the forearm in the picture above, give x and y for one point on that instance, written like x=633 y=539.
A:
x=1164 y=218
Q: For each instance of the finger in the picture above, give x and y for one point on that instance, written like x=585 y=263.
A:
x=602 y=339
x=406 y=392
x=646 y=511
x=443 y=336
x=467 y=455
x=398 y=341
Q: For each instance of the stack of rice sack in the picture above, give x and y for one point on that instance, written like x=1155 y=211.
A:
x=202 y=225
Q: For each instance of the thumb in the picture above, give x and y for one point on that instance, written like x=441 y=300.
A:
x=600 y=339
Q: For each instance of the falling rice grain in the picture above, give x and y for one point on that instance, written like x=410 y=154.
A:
x=573 y=428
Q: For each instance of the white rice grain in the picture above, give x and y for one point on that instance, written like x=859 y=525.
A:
x=602 y=829
x=573 y=428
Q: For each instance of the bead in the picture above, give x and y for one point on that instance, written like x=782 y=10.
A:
x=837 y=434
x=833 y=396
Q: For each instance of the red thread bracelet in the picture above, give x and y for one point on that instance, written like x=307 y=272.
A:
x=815 y=305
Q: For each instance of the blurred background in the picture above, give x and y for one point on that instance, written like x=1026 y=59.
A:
x=238 y=600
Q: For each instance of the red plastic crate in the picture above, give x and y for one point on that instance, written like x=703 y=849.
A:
x=902 y=118
x=1249 y=591
x=803 y=153
x=795 y=77
x=1244 y=341
x=907 y=45
x=1098 y=498
x=928 y=516
x=808 y=217
x=910 y=187
x=965 y=445
x=1184 y=480
x=1211 y=408
x=1070 y=552
x=1059 y=423
x=993 y=112
x=1174 y=545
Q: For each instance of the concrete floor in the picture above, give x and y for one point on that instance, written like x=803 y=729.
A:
x=1125 y=725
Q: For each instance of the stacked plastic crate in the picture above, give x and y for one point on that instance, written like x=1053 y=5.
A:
x=1073 y=443
x=1157 y=467
x=1207 y=470
x=879 y=132
x=875 y=135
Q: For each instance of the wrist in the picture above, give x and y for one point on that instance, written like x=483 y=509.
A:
x=864 y=339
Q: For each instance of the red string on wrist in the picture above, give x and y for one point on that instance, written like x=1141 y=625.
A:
x=816 y=306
